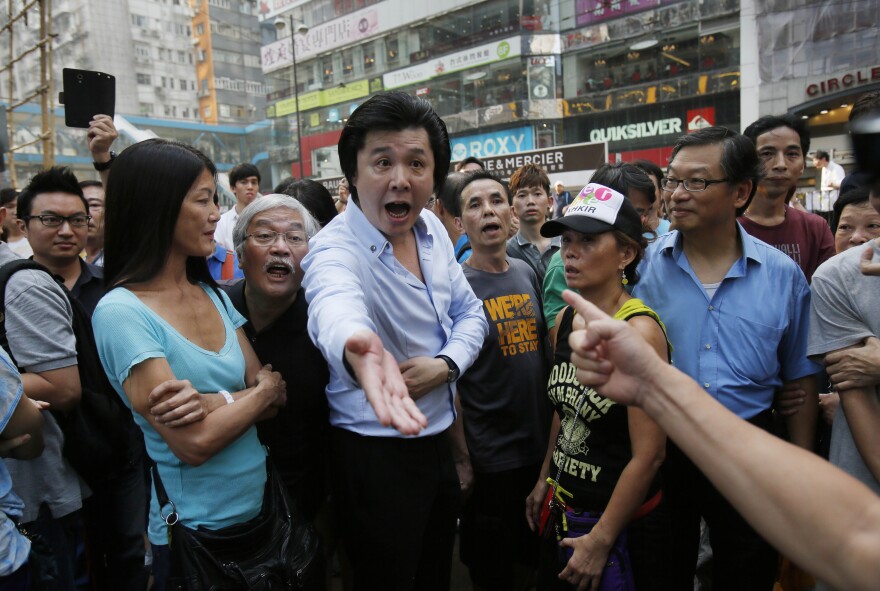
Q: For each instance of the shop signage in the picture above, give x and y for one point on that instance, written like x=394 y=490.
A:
x=503 y=113
x=633 y=131
x=570 y=158
x=455 y=62
x=698 y=119
x=336 y=33
x=323 y=98
x=844 y=81
x=496 y=143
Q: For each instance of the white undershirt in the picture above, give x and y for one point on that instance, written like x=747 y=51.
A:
x=711 y=288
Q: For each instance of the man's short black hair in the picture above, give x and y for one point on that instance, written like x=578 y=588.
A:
x=57 y=179
x=393 y=111
x=822 y=155
x=8 y=195
x=87 y=184
x=469 y=160
x=449 y=194
x=739 y=158
x=479 y=175
x=243 y=171
x=771 y=122
x=315 y=197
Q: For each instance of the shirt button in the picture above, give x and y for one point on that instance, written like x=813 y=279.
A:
x=708 y=346
x=373 y=248
x=706 y=384
x=711 y=308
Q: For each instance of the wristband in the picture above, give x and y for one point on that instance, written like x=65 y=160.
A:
x=102 y=166
x=227 y=396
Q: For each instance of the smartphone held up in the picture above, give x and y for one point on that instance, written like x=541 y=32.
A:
x=86 y=94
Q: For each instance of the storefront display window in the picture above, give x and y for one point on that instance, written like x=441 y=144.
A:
x=679 y=64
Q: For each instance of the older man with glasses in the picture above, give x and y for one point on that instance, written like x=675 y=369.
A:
x=737 y=312
x=271 y=238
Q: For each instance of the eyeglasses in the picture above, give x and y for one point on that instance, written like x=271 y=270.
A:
x=53 y=221
x=268 y=238
x=690 y=185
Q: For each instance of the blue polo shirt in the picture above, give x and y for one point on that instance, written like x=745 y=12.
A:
x=749 y=338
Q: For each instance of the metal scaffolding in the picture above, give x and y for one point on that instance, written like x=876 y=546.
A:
x=17 y=17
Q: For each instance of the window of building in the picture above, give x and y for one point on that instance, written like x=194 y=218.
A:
x=139 y=21
x=142 y=51
x=369 y=57
x=146 y=108
x=143 y=79
x=223 y=110
x=182 y=84
x=392 y=51
x=348 y=62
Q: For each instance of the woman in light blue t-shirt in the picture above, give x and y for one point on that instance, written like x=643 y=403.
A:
x=172 y=343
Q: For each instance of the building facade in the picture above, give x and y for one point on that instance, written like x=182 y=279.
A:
x=507 y=75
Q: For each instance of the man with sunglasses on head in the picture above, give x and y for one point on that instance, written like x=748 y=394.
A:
x=737 y=313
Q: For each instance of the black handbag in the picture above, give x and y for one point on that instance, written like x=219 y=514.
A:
x=273 y=551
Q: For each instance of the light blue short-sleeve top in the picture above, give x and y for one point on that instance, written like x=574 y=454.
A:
x=228 y=488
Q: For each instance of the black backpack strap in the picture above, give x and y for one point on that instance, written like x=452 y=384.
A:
x=7 y=271
x=462 y=249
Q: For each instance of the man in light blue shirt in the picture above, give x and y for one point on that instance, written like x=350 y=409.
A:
x=392 y=313
x=737 y=312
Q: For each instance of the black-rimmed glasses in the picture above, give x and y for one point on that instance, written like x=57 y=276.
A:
x=51 y=220
x=691 y=185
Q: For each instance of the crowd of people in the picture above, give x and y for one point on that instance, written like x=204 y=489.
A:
x=589 y=388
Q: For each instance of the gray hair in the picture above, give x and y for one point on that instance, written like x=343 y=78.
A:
x=263 y=204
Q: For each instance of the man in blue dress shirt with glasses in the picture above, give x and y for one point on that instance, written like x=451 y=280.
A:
x=737 y=313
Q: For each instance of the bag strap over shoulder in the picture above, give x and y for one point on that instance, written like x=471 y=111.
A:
x=162 y=497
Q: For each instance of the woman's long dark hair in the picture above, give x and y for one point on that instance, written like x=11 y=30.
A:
x=146 y=188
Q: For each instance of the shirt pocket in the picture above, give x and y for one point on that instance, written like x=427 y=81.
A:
x=755 y=357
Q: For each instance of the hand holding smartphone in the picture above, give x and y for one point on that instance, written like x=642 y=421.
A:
x=86 y=94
